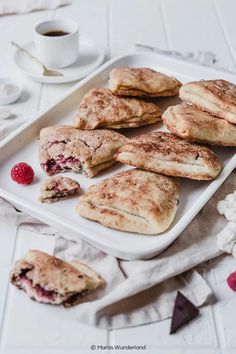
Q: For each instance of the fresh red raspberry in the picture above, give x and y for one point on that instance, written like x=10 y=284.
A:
x=231 y=280
x=22 y=173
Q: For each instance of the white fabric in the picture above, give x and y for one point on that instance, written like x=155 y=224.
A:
x=23 y=6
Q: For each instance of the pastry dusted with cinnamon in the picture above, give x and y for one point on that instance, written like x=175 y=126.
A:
x=134 y=200
x=190 y=123
x=63 y=148
x=58 y=188
x=50 y=280
x=142 y=82
x=217 y=97
x=170 y=155
x=100 y=108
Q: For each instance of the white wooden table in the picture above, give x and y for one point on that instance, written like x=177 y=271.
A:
x=185 y=25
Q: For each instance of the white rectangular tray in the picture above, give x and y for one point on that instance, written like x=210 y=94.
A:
x=22 y=146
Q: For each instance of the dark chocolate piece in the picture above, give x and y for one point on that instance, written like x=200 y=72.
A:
x=184 y=311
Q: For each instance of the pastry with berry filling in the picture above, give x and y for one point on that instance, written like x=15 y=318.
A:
x=64 y=148
x=50 y=280
x=58 y=188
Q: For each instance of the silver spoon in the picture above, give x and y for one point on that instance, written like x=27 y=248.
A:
x=46 y=71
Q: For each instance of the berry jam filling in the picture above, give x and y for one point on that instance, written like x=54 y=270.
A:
x=61 y=163
x=40 y=291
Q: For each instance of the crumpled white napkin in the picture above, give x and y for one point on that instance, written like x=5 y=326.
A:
x=226 y=239
x=140 y=292
x=23 y=6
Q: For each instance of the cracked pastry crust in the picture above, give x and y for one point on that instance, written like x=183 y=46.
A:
x=142 y=82
x=134 y=201
x=170 y=155
x=64 y=148
x=217 y=97
x=58 y=188
x=190 y=123
x=101 y=108
x=48 y=279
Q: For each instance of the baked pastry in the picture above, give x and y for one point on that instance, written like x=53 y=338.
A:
x=50 y=280
x=217 y=97
x=100 y=108
x=64 y=148
x=58 y=188
x=170 y=155
x=142 y=82
x=133 y=200
x=190 y=123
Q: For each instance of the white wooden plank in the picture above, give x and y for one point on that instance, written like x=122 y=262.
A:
x=7 y=241
x=91 y=16
x=4 y=276
x=226 y=10
x=135 y=21
x=29 y=325
x=194 y=26
x=198 y=334
x=225 y=307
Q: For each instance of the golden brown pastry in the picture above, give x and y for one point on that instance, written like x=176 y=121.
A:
x=217 y=97
x=100 y=108
x=143 y=82
x=50 y=280
x=190 y=123
x=63 y=148
x=170 y=155
x=135 y=201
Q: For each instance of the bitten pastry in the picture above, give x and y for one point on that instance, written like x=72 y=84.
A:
x=58 y=188
x=100 y=108
x=50 y=280
x=142 y=82
x=64 y=148
x=217 y=97
x=170 y=155
x=190 y=123
x=133 y=200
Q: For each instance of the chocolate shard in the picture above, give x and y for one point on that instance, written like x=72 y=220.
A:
x=184 y=311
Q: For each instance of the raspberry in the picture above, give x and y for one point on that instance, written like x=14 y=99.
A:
x=22 y=173
x=231 y=280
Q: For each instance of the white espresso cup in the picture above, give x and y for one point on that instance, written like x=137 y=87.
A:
x=57 y=42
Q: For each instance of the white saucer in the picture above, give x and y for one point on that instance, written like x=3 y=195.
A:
x=90 y=57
